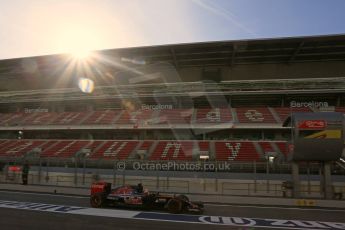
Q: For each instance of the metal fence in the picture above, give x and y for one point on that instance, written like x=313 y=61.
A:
x=181 y=185
x=249 y=179
x=217 y=166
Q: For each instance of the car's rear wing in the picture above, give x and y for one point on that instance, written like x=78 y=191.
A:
x=100 y=187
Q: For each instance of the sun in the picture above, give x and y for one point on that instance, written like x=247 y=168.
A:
x=79 y=42
x=80 y=54
x=79 y=49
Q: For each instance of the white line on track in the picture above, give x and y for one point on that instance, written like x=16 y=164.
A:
x=45 y=194
x=270 y=207
x=179 y=218
x=211 y=205
x=213 y=220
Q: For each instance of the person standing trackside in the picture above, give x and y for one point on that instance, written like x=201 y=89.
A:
x=25 y=173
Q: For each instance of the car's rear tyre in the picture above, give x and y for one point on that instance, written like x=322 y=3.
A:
x=97 y=200
x=183 y=198
x=174 y=206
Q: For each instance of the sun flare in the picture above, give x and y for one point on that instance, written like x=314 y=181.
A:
x=78 y=43
x=80 y=54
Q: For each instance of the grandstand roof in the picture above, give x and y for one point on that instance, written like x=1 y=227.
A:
x=218 y=53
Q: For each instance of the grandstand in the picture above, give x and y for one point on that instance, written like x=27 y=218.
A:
x=214 y=101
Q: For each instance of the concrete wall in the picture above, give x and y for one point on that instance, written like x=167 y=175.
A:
x=271 y=71
x=235 y=72
x=174 y=184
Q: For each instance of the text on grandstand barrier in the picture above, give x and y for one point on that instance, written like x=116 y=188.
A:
x=173 y=166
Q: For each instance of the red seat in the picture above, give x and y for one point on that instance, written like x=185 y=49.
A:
x=134 y=117
x=62 y=148
x=12 y=119
x=283 y=147
x=40 y=118
x=255 y=115
x=284 y=112
x=22 y=147
x=146 y=145
x=115 y=150
x=69 y=118
x=236 y=151
x=266 y=147
x=216 y=115
x=102 y=117
x=174 y=116
x=173 y=150
x=204 y=146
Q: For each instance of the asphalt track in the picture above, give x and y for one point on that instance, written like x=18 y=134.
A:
x=20 y=210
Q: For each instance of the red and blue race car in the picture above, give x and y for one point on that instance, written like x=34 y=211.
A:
x=135 y=196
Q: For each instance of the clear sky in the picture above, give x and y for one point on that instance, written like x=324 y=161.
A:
x=39 y=27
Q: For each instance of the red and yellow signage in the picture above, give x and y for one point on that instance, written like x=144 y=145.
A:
x=312 y=124
x=14 y=168
x=325 y=134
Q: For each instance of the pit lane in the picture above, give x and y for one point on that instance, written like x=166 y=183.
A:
x=17 y=218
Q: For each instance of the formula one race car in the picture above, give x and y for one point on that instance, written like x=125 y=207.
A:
x=135 y=196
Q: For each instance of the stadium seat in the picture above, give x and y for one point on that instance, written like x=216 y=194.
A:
x=12 y=119
x=22 y=147
x=135 y=117
x=277 y=147
x=69 y=118
x=101 y=117
x=284 y=112
x=283 y=148
x=72 y=148
x=146 y=145
x=59 y=148
x=204 y=146
x=40 y=119
x=216 y=115
x=173 y=150
x=255 y=115
x=266 y=147
x=174 y=116
x=7 y=145
x=340 y=109
x=114 y=150
x=236 y=151
x=163 y=150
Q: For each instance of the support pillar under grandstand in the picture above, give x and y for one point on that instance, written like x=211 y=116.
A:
x=295 y=180
x=325 y=184
x=317 y=137
x=327 y=181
